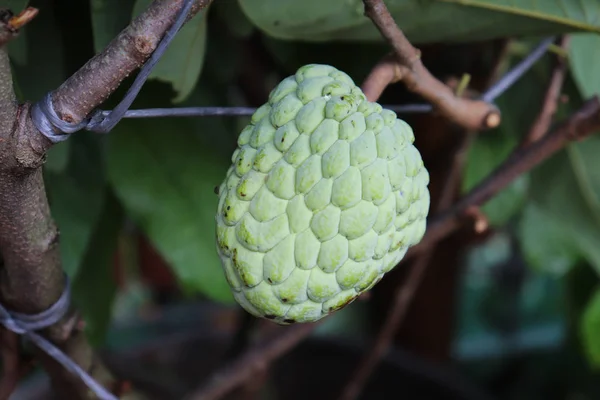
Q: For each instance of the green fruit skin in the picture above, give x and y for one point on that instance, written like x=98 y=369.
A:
x=325 y=195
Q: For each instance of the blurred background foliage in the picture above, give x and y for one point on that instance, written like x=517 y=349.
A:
x=135 y=208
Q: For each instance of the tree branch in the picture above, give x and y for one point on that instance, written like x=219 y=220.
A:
x=468 y=113
x=100 y=76
x=386 y=72
x=32 y=277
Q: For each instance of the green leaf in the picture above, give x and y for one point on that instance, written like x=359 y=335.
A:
x=45 y=68
x=547 y=247
x=109 y=17
x=76 y=199
x=582 y=14
x=590 y=329
x=58 y=157
x=94 y=288
x=452 y=20
x=232 y=15
x=165 y=176
x=557 y=189
x=584 y=58
x=182 y=62
x=485 y=154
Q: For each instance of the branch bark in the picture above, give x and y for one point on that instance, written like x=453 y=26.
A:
x=101 y=76
x=468 y=113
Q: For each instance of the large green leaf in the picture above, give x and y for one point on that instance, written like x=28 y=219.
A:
x=45 y=66
x=182 y=62
x=547 y=246
x=558 y=188
x=590 y=329
x=94 y=288
x=76 y=199
x=422 y=20
x=584 y=57
x=109 y=17
x=165 y=176
x=57 y=157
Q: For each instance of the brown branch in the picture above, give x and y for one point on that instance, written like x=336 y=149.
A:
x=470 y=114
x=387 y=71
x=101 y=76
x=578 y=126
x=254 y=360
x=544 y=118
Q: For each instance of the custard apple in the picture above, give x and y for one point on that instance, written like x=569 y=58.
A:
x=325 y=194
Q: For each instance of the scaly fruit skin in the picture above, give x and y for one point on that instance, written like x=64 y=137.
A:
x=325 y=195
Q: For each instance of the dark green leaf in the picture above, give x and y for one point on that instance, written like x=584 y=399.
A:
x=165 y=176
x=58 y=157
x=182 y=62
x=584 y=59
x=45 y=68
x=109 y=17
x=485 y=154
x=546 y=245
x=17 y=48
x=231 y=13
x=557 y=190
x=590 y=329
x=94 y=288
x=452 y=20
x=76 y=199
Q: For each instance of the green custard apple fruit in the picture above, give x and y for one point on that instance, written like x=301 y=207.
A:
x=325 y=195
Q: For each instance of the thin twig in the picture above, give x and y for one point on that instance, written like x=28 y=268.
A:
x=386 y=72
x=544 y=118
x=470 y=114
x=257 y=358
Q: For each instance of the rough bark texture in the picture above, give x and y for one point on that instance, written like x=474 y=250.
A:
x=101 y=76
x=32 y=277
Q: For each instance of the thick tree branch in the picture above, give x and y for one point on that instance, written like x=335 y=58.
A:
x=470 y=114
x=98 y=78
x=32 y=277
